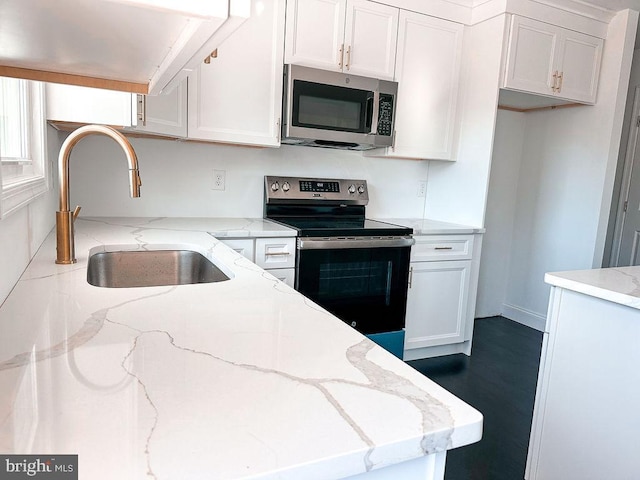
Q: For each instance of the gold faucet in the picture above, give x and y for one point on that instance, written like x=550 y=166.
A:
x=65 y=244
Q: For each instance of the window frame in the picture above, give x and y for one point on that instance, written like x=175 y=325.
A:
x=18 y=190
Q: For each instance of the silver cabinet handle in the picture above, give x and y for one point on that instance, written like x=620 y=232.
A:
x=348 y=57
x=142 y=109
x=410 y=276
x=341 y=53
x=277 y=254
x=560 y=75
x=443 y=248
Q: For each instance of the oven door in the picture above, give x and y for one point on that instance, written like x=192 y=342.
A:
x=362 y=283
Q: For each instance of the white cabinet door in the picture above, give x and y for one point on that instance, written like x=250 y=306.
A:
x=354 y=36
x=428 y=76
x=579 y=59
x=370 y=38
x=552 y=61
x=437 y=303
x=315 y=33
x=164 y=114
x=69 y=103
x=531 y=58
x=237 y=97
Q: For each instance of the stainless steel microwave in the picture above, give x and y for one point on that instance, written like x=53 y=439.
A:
x=337 y=110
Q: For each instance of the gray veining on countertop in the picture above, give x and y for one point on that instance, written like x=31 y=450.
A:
x=242 y=378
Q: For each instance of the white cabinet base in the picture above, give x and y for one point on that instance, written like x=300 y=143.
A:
x=585 y=420
x=437 y=351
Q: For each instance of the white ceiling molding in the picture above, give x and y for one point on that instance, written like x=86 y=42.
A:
x=580 y=7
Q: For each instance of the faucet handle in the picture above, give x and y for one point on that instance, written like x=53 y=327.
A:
x=76 y=211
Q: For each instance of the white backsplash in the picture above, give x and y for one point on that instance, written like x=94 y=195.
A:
x=177 y=178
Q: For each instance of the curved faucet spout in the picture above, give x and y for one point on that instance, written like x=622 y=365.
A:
x=64 y=217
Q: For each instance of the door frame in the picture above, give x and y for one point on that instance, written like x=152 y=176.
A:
x=629 y=160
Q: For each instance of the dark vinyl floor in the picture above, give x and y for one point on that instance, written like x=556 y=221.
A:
x=498 y=379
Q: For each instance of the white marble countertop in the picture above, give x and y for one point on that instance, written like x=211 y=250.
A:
x=424 y=226
x=620 y=284
x=228 y=227
x=238 y=379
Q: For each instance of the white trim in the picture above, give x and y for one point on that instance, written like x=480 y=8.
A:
x=524 y=316
x=17 y=194
x=629 y=156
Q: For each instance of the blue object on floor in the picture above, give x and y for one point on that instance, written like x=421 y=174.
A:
x=390 y=341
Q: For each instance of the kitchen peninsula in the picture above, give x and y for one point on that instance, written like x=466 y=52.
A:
x=244 y=378
x=586 y=418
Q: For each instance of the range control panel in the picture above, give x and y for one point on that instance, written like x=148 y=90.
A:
x=311 y=190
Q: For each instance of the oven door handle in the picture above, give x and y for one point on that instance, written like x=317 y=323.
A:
x=314 y=243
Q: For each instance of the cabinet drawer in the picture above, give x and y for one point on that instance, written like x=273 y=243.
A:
x=276 y=252
x=244 y=246
x=442 y=247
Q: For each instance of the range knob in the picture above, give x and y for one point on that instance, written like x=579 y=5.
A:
x=286 y=187
x=361 y=189
x=275 y=186
x=352 y=189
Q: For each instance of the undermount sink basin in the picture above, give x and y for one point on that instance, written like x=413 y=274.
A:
x=151 y=268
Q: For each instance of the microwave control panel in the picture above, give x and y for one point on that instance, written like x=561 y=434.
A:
x=385 y=115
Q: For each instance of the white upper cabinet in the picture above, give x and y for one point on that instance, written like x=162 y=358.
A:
x=129 y=45
x=370 y=38
x=159 y=114
x=428 y=76
x=237 y=97
x=315 y=33
x=69 y=103
x=351 y=36
x=164 y=114
x=552 y=61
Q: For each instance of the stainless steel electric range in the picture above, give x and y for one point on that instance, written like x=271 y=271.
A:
x=356 y=268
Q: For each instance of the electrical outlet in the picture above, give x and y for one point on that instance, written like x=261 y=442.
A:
x=218 y=179
x=422 y=189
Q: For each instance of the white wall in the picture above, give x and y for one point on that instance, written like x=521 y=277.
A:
x=565 y=185
x=501 y=213
x=177 y=178
x=613 y=233
x=22 y=232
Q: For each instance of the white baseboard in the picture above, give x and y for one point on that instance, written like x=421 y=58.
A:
x=524 y=316
x=437 y=351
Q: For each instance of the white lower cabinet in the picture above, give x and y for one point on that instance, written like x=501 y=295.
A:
x=276 y=255
x=438 y=299
x=244 y=246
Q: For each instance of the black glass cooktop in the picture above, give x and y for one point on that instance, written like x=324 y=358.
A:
x=342 y=227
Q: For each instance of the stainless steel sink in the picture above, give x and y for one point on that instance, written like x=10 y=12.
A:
x=151 y=268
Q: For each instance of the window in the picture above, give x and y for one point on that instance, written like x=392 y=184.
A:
x=23 y=171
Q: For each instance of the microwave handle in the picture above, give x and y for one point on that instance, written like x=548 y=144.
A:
x=376 y=111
